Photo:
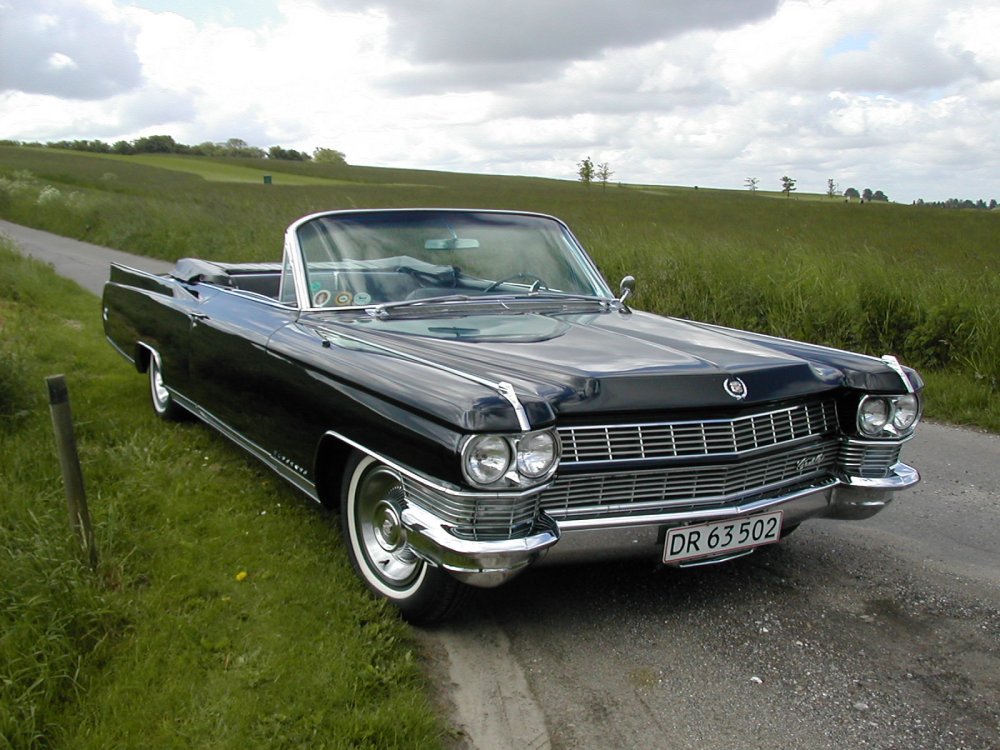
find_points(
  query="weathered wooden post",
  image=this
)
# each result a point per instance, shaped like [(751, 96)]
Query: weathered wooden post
[(69, 460)]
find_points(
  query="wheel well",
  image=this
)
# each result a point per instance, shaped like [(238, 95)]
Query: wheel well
[(331, 457), (142, 356)]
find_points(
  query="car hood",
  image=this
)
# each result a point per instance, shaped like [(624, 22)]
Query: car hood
[(594, 363)]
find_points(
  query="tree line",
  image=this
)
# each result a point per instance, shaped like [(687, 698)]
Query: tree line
[(165, 144), (980, 204)]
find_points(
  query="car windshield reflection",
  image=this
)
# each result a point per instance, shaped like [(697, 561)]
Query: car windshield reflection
[(392, 258)]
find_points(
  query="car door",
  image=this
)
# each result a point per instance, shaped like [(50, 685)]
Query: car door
[(227, 345)]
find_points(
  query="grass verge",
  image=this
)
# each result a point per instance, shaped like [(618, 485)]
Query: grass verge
[(224, 612)]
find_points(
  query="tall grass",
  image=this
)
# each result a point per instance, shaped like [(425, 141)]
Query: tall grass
[(921, 283), (168, 645), (52, 616)]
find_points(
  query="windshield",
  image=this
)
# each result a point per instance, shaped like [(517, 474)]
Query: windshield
[(380, 257)]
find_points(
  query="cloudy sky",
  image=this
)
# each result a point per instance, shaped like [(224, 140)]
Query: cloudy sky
[(898, 96)]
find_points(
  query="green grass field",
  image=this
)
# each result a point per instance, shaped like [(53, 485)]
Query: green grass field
[(224, 612), (165, 647)]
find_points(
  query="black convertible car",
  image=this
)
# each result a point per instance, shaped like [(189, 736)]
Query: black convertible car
[(467, 390)]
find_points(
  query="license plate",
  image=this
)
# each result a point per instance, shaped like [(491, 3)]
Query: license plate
[(720, 537)]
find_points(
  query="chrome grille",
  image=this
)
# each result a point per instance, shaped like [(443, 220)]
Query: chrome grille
[(647, 491), (868, 460), (719, 437), (477, 515)]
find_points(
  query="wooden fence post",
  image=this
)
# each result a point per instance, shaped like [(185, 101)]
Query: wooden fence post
[(69, 460)]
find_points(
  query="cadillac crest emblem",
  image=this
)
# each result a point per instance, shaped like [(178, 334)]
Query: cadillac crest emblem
[(735, 388)]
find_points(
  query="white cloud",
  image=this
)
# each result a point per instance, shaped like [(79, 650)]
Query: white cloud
[(702, 93), (77, 49)]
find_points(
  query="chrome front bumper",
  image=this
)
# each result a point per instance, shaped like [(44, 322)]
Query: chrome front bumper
[(491, 563)]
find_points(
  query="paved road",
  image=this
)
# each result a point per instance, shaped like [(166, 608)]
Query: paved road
[(84, 263), (876, 634)]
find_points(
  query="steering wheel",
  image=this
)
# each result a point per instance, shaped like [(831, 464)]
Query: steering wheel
[(539, 281)]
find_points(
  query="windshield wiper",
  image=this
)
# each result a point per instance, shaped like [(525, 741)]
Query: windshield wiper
[(444, 302)]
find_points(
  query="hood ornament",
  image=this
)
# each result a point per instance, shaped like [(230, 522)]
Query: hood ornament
[(735, 388)]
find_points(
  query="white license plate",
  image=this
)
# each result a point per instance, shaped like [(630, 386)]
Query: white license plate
[(720, 537)]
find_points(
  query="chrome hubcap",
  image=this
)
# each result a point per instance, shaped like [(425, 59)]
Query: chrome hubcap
[(380, 530)]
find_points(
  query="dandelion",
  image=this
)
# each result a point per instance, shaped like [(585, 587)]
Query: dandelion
[(241, 576)]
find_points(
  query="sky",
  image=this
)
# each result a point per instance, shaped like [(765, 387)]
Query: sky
[(902, 97)]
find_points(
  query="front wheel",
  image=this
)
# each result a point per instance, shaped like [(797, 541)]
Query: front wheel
[(372, 498)]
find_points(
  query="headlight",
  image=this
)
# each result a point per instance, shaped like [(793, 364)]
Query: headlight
[(885, 416), (873, 415), (537, 454), (907, 411), (518, 460), (487, 459)]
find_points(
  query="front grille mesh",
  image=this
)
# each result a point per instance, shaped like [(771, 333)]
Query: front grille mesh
[(481, 515), (686, 439), (868, 460), (618, 494)]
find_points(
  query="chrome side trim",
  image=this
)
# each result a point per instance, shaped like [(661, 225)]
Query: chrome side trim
[(118, 349), (296, 480), (507, 391), (898, 369)]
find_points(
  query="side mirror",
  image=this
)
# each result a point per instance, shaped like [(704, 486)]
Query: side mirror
[(626, 289)]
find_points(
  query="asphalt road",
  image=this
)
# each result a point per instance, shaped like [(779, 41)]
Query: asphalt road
[(876, 634)]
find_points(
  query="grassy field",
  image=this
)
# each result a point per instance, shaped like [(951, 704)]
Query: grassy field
[(165, 647), (922, 283), (224, 612)]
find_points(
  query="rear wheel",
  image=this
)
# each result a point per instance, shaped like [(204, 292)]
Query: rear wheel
[(163, 402), (371, 505)]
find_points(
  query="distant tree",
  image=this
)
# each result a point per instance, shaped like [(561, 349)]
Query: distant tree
[(993, 203), (122, 147), (852, 193), (751, 183), (787, 185), (831, 187), (287, 154), (878, 195), (866, 195), (155, 144), (603, 173), (329, 156), (237, 147), (585, 169)]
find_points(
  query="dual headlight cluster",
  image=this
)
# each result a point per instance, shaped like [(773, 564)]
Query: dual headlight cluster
[(519, 459), (883, 416)]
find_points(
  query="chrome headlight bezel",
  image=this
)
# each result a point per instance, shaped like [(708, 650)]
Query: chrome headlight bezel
[(885, 416), (531, 458), (536, 454), (485, 459)]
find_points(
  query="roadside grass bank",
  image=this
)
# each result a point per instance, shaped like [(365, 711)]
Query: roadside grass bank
[(922, 283), (223, 613)]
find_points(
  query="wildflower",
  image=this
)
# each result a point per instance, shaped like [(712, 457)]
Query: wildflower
[(241, 576)]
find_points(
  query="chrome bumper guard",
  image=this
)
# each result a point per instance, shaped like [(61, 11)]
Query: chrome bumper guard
[(493, 562)]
